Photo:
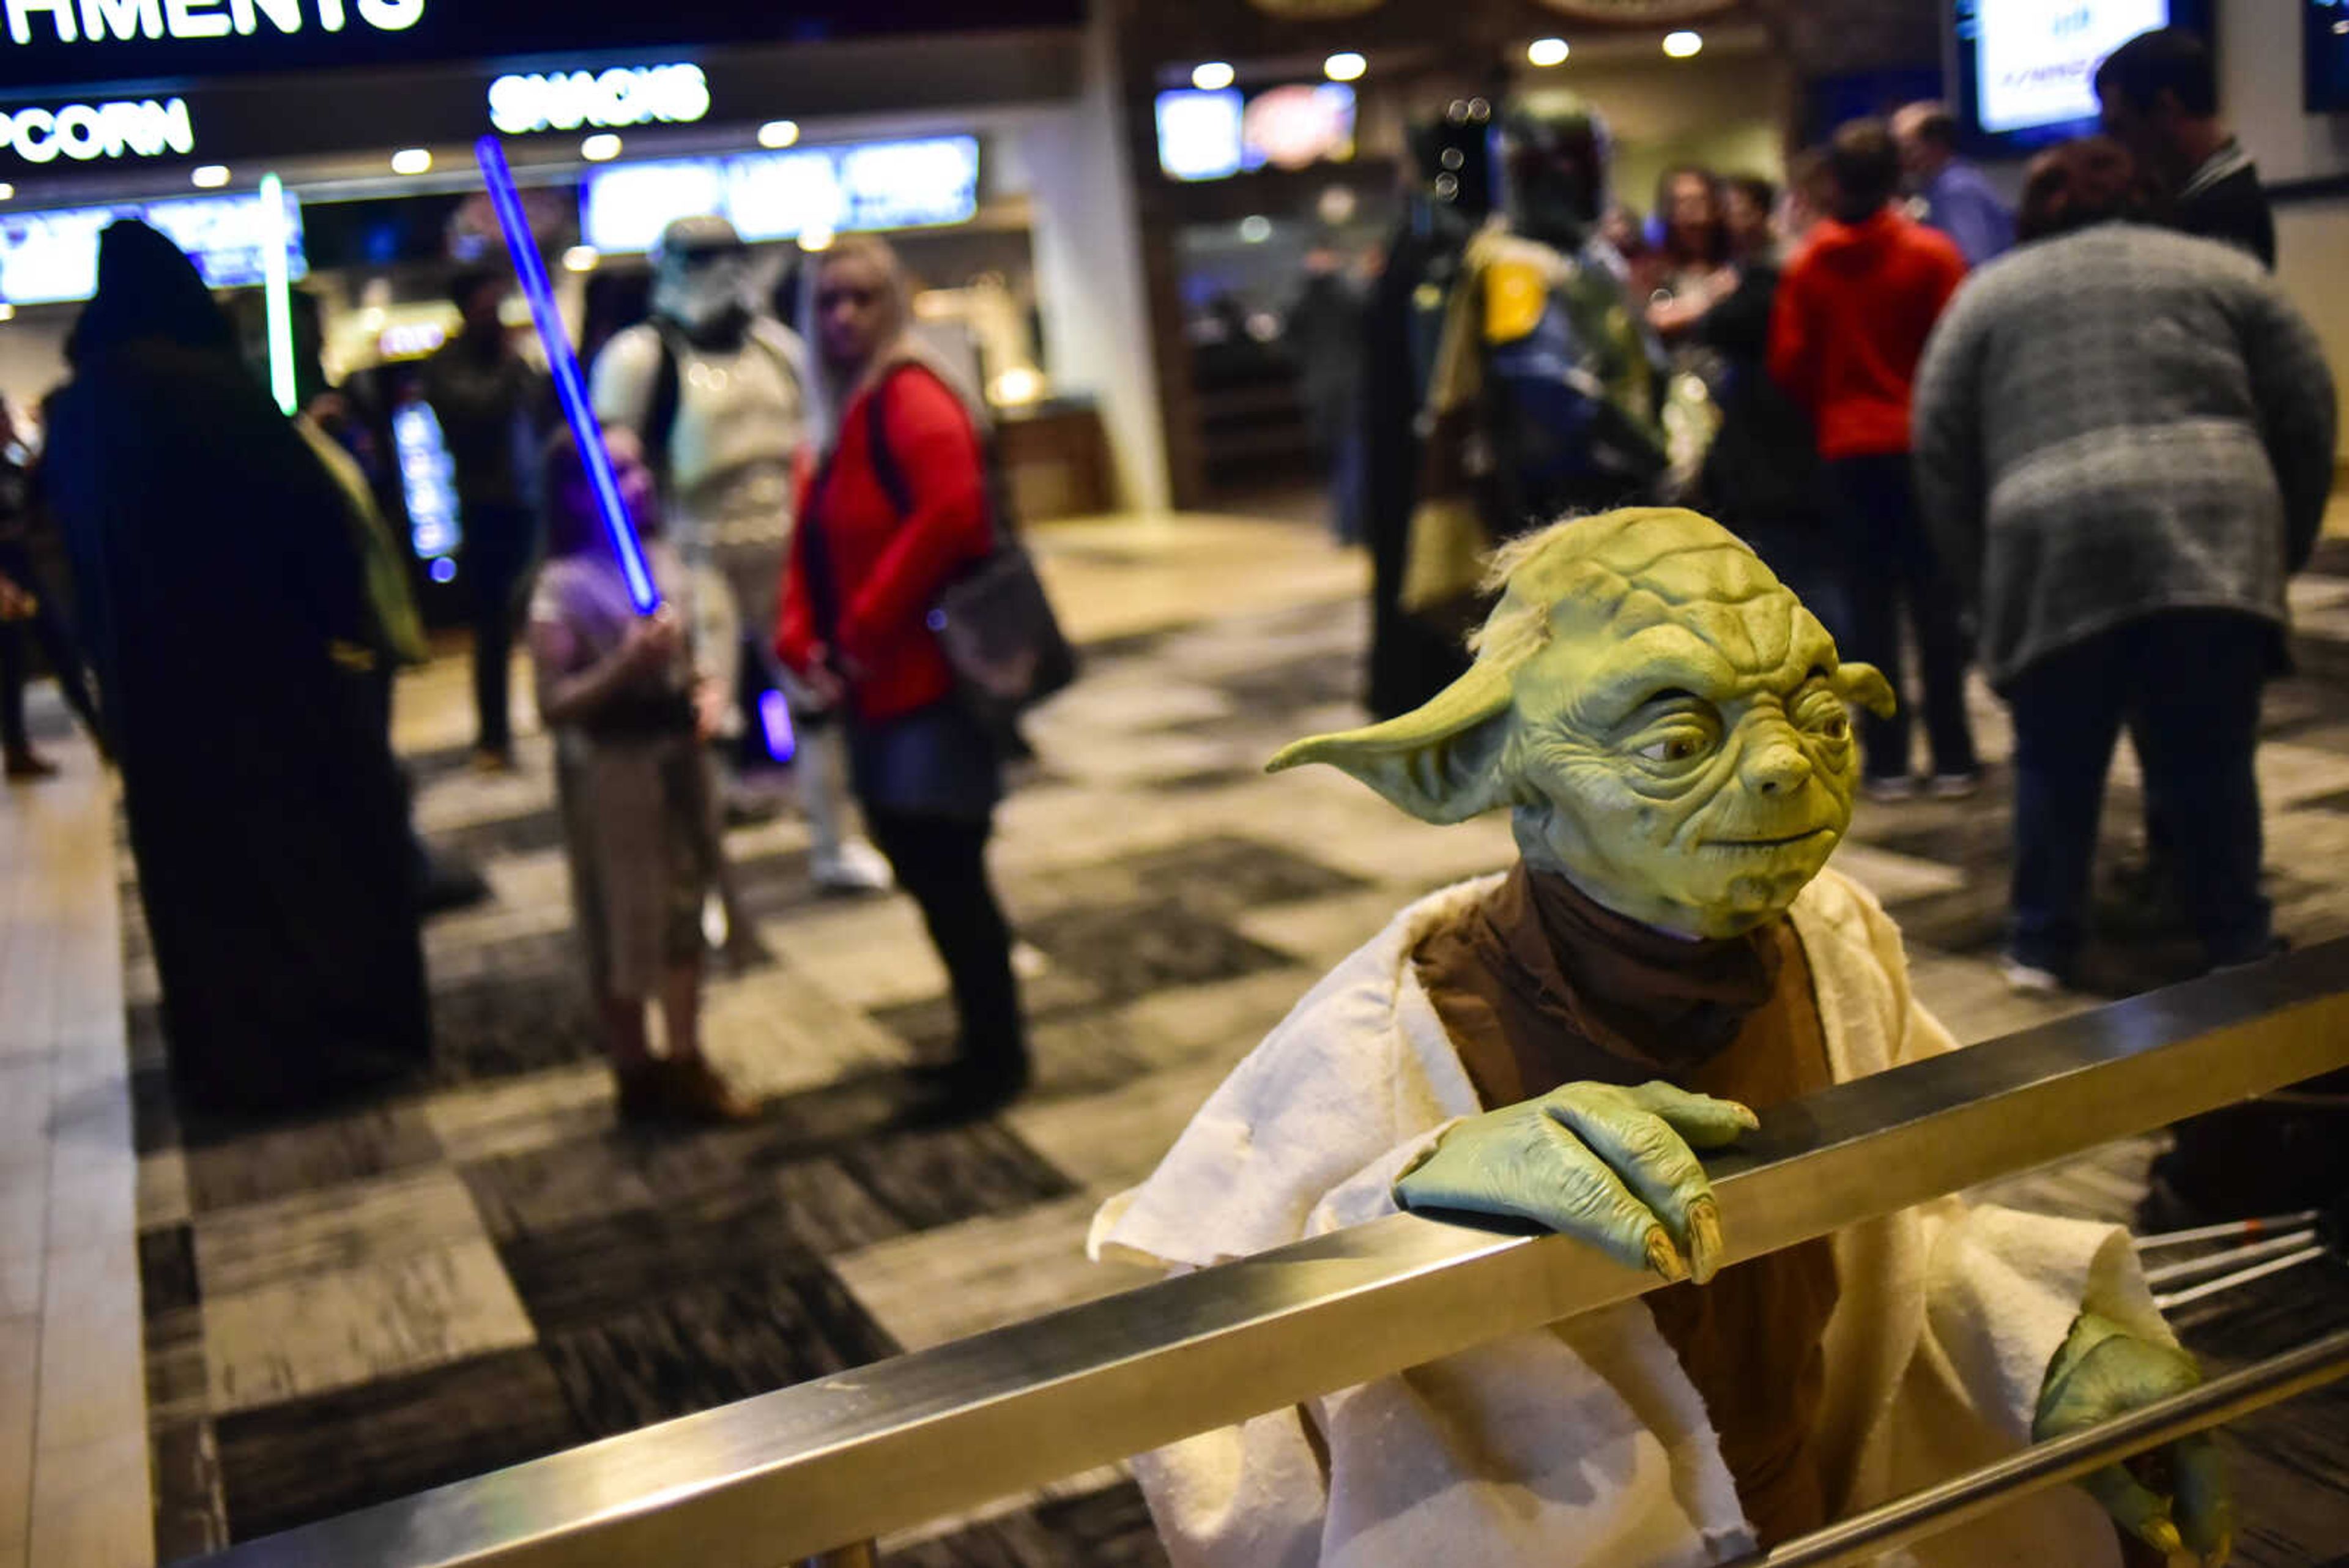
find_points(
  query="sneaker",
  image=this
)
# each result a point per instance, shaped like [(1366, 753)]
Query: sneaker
[(1890, 789), (2029, 979), (854, 867), (1955, 786)]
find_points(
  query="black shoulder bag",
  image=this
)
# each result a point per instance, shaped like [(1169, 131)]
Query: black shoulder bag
[(993, 620)]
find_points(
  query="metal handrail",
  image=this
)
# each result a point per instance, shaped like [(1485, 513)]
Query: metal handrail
[(843, 1459)]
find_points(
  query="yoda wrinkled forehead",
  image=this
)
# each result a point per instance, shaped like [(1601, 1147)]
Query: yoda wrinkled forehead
[(1666, 722), (1648, 596)]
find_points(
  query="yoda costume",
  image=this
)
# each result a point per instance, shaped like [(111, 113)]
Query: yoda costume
[(1668, 726)]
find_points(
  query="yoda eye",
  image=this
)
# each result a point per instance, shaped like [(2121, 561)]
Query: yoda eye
[(1674, 749), (1837, 727), (1824, 717)]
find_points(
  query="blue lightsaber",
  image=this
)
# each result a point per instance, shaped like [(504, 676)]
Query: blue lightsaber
[(570, 386)]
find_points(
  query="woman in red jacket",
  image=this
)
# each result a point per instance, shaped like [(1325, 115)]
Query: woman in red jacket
[(897, 508)]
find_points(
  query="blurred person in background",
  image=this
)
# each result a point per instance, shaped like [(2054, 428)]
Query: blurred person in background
[(30, 612), (225, 602), (1688, 268), (1325, 327), (2159, 97), (2125, 444), (1848, 325), (1959, 200), (715, 389), (489, 401), (631, 705), (898, 507), (1761, 476)]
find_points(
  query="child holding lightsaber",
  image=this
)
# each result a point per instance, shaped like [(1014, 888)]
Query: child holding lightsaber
[(630, 709)]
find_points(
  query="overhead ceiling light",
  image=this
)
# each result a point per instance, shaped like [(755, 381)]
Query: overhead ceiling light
[(7, 191), (779, 133), (1213, 76), (210, 176), (601, 147), (7, 311), (1256, 228), (1345, 67), (581, 258), (411, 160), (1546, 52), (1682, 44), (816, 238)]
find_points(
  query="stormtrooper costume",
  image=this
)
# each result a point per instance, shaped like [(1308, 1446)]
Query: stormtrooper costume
[(713, 387)]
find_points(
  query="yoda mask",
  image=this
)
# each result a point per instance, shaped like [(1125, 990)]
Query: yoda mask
[(1668, 724)]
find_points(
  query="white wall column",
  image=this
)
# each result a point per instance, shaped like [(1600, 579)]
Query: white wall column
[(1088, 281)]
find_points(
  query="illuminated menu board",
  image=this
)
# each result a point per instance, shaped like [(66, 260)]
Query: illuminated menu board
[(919, 183), (49, 257)]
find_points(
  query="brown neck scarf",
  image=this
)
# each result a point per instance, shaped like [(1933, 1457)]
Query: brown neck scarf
[(1541, 985)]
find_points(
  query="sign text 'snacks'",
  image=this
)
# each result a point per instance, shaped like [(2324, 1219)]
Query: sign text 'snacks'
[(565, 100), (101, 21)]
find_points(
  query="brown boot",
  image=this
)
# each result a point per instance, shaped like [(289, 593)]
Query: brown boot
[(696, 1093)]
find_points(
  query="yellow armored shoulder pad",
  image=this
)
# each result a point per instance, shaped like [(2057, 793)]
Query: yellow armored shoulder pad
[(1515, 298)]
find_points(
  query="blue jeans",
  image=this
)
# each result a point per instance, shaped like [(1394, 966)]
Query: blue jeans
[(2187, 684), (1889, 563)]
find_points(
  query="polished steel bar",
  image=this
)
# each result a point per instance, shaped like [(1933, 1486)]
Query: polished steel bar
[(2233, 1257), (852, 1456), (1862, 1537), (2237, 1281)]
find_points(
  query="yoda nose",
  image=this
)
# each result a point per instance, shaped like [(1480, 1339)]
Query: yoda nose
[(1775, 766)]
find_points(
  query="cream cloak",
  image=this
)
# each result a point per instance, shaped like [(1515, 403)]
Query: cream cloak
[(1585, 1443)]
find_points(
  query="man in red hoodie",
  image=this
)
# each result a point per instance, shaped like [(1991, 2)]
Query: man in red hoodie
[(1850, 322)]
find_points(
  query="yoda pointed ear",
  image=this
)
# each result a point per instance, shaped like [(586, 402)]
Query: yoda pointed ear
[(1864, 684), (1440, 762)]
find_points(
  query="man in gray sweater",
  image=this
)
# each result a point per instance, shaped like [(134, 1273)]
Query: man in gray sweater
[(2123, 444)]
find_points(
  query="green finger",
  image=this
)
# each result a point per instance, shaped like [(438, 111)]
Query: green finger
[(1586, 1201), (1705, 1122), (2142, 1512), (2206, 1501), (1656, 1164)]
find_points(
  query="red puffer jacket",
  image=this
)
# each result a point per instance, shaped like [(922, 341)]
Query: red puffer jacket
[(887, 567)]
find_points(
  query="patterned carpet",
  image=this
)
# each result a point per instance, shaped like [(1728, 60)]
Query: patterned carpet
[(484, 1269)]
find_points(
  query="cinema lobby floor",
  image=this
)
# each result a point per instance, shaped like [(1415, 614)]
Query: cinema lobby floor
[(258, 1325)]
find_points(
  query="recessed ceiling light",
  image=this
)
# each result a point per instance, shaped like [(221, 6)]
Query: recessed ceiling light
[(601, 147), (581, 258), (816, 238), (1256, 228), (1346, 66), (411, 160), (779, 133), (1681, 46), (1213, 76), (1546, 52), (7, 311), (210, 176), (7, 191)]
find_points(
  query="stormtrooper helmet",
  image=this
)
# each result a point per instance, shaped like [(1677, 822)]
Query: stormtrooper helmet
[(702, 277)]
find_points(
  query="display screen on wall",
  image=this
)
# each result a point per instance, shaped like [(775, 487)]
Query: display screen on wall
[(1214, 135), (919, 183), (2325, 28), (46, 258), (2026, 69), (1199, 133)]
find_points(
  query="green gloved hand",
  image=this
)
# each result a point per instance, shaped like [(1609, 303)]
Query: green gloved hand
[(2104, 1371), (1608, 1166)]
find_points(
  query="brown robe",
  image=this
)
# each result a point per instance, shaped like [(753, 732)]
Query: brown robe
[(1539, 987)]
